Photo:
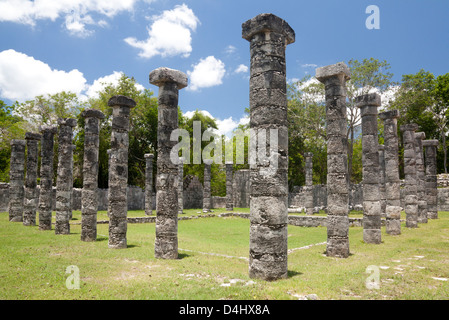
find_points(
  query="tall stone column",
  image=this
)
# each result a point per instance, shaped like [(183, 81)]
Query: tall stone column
[(16, 176), (89, 193), (269, 36), (64, 185), (368, 105), (392, 181), (31, 199), (383, 196), (181, 185), (229, 196), (421, 177), (46, 183), (411, 183), (169, 82), (431, 178), (118, 171), (207, 198), (309, 183), (149, 184), (334, 78)]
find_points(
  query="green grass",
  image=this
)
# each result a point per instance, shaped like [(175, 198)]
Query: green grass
[(212, 252)]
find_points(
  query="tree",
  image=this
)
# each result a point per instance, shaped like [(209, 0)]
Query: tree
[(440, 110)]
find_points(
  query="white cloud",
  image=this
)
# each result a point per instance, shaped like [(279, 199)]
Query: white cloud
[(169, 35), (241, 69), (208, 72), (225, 126), (22, 77), (76, 13), (230, 49), (100, 83), (309, 65)]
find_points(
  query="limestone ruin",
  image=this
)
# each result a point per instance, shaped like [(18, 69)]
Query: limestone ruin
[(431, 178), (149, 184), (16, 176), (30, 196)]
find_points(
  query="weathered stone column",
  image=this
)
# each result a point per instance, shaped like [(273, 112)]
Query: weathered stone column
[(392, 181), (334, 78), (229, 197), (46, 183), (16, 176), (169, 82), (64, 187), (207, 198), (181, 185), (421, 177), (308, 203), (431, 178), (383, 197), (31, 200), (368, 105), (269, 36), (149, 184), (118, 171), (411, 183), (89, 193)]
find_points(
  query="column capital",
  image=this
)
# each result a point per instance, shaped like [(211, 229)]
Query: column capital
[(409, 127), (48, 128), (67, 122), (163, 75), (93, 113), (121, 101), (370, 99), (340, 68), (420, 135), (267, 22), (430, 143), (18, 142), (32, 136), (391, 114)]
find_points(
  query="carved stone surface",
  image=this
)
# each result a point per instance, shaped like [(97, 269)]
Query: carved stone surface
[(46, 184), (383, 199), (89, 197), (16, 177), (64, 186), (31, 199), (149, 184), (268, 36), (181, 185), (421, 177), (118, 171), (169, 82), (229, 191), (392, 181), (431, 178), (411, 183), (334, 78), (308, 204), (368, 105)]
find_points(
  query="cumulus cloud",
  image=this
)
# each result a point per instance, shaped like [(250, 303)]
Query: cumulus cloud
[(241, 69), (208, 72), (22, 77), (309, 65), (100, 83), (77, 14), (169, 34)]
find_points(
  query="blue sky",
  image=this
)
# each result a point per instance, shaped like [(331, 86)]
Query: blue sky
[(47, 46)]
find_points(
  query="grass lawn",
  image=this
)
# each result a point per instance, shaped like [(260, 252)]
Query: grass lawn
[(213, 263)]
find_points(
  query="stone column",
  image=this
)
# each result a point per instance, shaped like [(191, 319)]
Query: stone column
[(411, 183), (149, 184), (169, 82), (64, 187), (207, 199), (118, 171), (46, 183), (269, 36), (181, 185), (421, 177), (368, 105), (31, 199), (431, 178), (16, 176), (89, 193), (229, 198), (383, 199), (308, 203), (334, 78), (392, 181)]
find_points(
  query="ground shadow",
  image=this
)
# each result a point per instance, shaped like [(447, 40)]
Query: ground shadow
[(291, 273), (183, 255)]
